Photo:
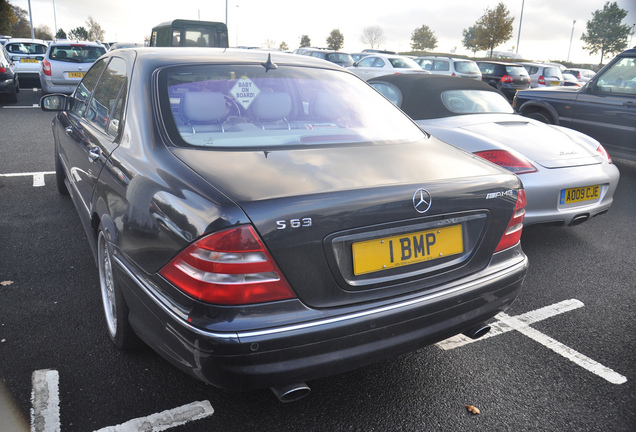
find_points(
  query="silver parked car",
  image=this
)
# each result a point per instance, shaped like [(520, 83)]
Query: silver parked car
[(381, 64), (27, 54), (65, 64), (568, 176), (544, 75), (458, 67)]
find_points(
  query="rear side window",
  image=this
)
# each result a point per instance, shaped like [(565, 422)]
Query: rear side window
[(85, 88), (107, 103), (486, 68), (230, 106)]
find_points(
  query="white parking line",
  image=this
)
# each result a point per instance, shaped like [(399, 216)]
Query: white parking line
[(45, 411), (38, 177), (166, 419), (521, 323), (45, 401)]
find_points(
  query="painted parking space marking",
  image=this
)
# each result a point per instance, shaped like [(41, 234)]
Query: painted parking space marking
[(45, 401), (45, 410), (521, 323), (38, 177)]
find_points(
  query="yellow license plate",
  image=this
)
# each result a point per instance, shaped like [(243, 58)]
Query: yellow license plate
[(588, 193), (406, 249), (26, 60), (555, 83), (76, 74)]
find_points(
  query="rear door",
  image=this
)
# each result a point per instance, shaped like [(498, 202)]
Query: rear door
[(90, 127)]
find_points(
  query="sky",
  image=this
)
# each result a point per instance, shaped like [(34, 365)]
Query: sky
[(546, 25)]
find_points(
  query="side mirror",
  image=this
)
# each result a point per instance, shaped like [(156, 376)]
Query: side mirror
[(53, 102)]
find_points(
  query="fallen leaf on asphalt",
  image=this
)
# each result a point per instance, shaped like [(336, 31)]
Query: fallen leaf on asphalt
[(473, 410), (6, 283)]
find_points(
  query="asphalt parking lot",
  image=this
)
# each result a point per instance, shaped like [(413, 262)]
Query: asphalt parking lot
[(563, 357)]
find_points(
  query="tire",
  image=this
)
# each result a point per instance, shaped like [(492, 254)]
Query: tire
[(541, 116), (13, 96), (115, 308)]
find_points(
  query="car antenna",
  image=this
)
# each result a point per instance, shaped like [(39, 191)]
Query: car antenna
[(269, 64)]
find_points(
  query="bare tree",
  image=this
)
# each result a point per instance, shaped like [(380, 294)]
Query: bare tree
[(95, 32), (373, 36)]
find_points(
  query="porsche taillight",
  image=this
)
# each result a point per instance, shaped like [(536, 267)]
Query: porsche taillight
[(513, 162), (601, 150), (46, 67), (229, 267), (512, 236)]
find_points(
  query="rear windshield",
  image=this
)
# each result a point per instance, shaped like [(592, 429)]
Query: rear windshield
[(339, 58), (250, 106), (76, 53), (466, 67), (475, 101), (552, 72), (516, 71), (25, 48), (403, 63)]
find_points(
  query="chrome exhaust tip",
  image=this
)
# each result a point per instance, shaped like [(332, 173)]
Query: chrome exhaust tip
[(477, 331), (291, 392)]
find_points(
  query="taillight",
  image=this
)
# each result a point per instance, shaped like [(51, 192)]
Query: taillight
[(513, 162), (3, 70), (541, 80), (512, 236), (601, 150), (507, 79), (46, 67), (230, 267)]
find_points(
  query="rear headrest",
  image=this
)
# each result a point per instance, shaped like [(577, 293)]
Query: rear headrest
[(203, 107), (272, 106), (326, 106)]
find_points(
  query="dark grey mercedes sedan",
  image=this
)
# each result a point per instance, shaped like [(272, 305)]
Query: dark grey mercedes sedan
[(264, 219)]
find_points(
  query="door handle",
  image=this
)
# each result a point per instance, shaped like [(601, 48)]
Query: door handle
[(94, 154)]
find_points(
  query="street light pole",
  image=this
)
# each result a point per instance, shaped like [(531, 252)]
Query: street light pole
[(520, 20), (571, 35), (54, 20), (31, 21)]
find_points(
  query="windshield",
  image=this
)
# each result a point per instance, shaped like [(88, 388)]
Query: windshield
[(76, 53), (475, 101), (250, 106)]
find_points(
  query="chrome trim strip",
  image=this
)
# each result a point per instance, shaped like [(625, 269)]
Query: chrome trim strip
[(236, 337)]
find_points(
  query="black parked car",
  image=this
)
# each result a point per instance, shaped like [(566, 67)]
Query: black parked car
[(505, 77), (265, 219), (604, 108), (9, 84)]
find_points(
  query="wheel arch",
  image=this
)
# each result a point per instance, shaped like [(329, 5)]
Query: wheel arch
[(537, 106)]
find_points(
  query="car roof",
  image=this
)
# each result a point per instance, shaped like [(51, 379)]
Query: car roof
[(74, 42), (500, 63), (421, 92), (156, 57), (40, 41)]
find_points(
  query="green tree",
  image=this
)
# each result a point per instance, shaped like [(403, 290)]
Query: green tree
[(43, 32), (79, 33), (372, 36), (61, 34), (469, 40), (494, 27), (95, 32), (335, 41), (605, 33), (423, 38), (21, 28), (7, 18), (283, 46), (305, 41)]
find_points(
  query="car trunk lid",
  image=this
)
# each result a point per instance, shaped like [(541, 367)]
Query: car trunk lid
[(316, 208)]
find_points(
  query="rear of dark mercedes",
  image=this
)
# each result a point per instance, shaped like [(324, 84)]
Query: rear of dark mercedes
[(332, 232)]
